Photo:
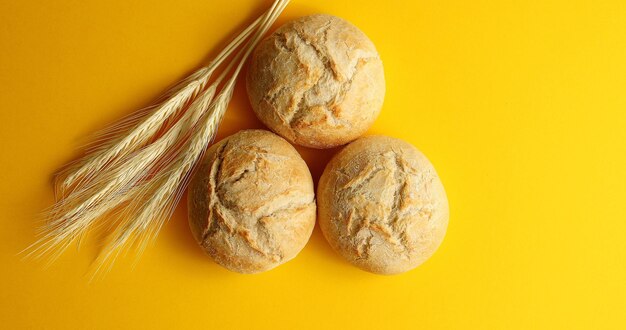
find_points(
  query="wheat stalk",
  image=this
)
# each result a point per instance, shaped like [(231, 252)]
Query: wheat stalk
[(166, 190), (139, 167)]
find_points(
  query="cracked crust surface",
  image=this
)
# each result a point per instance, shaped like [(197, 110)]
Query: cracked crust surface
[(317, 81), (251, 202), (382, 206)]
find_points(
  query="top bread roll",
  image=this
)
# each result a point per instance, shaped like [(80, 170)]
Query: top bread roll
[(382, 206), (317, 81)]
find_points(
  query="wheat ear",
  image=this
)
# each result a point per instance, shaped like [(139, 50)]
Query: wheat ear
[(139, 168), (75, 214), (165, 190)]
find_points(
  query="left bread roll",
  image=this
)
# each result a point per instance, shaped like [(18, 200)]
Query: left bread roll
[(252, 202)]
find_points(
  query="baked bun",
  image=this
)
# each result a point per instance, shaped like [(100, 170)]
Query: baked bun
[(317, 81), (251, 202), (382, 206)]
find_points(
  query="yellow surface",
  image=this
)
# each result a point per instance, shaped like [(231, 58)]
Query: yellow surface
[(520, 105)]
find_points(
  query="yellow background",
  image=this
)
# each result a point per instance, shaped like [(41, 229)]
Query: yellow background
[(520, 105)]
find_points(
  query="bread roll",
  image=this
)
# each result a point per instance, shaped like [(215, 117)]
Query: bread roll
[(251, 202), (382, 205), (317, 81)]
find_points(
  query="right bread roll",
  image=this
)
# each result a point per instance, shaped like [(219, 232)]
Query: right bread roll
[(382, 206)]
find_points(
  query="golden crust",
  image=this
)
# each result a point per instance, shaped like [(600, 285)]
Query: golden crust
[(317, 81), (251, 202), (382, 206)]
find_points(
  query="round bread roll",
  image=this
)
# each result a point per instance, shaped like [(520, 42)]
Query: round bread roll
[(382, 205), (317, 81), (252, 202)]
